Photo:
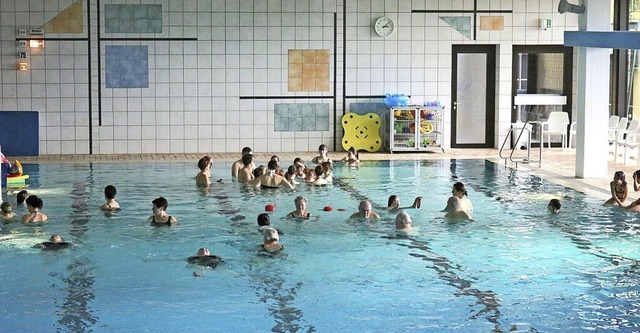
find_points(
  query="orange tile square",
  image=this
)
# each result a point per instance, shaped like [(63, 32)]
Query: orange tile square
[(322, 84), (295, 56), (295, 70), (322, 56), (322, 70), (498, 23), (309, 56), (308, 70), (295, 84), (308, 84), (486, 23)]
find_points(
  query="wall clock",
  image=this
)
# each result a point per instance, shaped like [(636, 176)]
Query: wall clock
[(384, 26)]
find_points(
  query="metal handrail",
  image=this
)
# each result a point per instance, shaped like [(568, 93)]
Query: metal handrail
[(528, 158)]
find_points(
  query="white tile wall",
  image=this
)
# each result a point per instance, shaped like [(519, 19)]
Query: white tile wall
[(192, 103)]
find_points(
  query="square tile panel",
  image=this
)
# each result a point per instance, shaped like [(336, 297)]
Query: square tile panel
[(127, 66), (133, 18), (300, 117)]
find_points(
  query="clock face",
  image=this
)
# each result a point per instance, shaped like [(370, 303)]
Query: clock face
[(384, 26)]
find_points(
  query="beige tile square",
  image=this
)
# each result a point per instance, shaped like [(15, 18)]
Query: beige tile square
[(295, 70), (486, 23), (309, 56), (308, 84), (322, 70), (308, 70), (295, 84), (322, 56), (322, 84), (295, 56), (498, 23)]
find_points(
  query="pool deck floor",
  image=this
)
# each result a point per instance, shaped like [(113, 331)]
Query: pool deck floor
[(558, 165)]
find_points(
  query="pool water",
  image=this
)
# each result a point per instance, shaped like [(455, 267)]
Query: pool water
[(517, 268)]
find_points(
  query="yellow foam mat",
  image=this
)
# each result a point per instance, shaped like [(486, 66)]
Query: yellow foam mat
[(361, 132)]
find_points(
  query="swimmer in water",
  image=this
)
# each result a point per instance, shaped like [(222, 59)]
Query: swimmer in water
[(554, 206), (271, 241), (55, 243), (323, 157), (203, 178), (619, 190), (301, 208), (34, 204), (160, 216), (110, 194), (237, 165), (364, 211), (7, 211), (457, 209), (204, 258), (463, 204), (393, 203), (352, 158), (271, 179), (403, 222)]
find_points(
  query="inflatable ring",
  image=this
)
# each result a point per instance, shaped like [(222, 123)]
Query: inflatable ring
[(17, 179), (426, 127)]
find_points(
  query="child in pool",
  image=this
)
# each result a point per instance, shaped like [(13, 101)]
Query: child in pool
[(619, 191)]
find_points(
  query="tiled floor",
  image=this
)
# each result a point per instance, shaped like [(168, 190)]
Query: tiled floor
[(558, 166)]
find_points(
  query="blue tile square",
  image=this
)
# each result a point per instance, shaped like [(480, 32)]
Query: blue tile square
[(126, 25), (126, 11), (113, 80), (307, 111), (140, 11), (154, 25), (322, 109), (154, 12), (140, 25), (464, 23), (295, 124), (111, 25), (281, 111), (281, 125), (111, 11), (127, 66), (322, 124), (309, 124)]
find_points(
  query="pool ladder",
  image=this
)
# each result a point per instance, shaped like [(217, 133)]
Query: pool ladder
[(526, 159)]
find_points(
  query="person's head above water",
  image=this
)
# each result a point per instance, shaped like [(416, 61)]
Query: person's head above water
[(204, 162), (110, 192), (554, 206), (247, 150), (247, 159), (364, 208), (22, 196), (393, 201), (6, 208), (270, 235), (264, 219), (160, 203), (56, 239), (403, 221), (34, 202), (203, 251)]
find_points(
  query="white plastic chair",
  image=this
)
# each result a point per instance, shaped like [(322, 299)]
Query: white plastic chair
[(632, 141), (573, 131), (624, 135), (613, 132), (613, 122), (556, 124)]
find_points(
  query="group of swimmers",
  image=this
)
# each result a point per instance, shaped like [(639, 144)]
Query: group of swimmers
[(620, 191), (272, 176)]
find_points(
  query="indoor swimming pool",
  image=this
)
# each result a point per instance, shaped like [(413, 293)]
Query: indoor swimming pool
[(516, 268)]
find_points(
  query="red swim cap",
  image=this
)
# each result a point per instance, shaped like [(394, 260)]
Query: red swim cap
[(270, 208), (328, 208)]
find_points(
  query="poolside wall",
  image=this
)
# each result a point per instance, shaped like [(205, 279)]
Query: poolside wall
[(206, 75)]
